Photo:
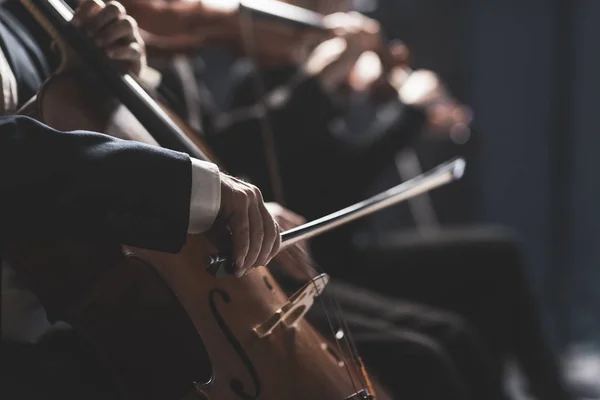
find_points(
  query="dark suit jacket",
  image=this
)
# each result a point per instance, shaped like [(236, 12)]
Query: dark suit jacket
[(90, 186)]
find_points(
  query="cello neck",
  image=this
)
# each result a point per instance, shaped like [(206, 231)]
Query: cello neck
[(55, 16)]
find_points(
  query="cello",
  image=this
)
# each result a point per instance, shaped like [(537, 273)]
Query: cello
[(175, 326)]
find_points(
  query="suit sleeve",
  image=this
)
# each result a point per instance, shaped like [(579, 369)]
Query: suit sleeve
[(90, 186)]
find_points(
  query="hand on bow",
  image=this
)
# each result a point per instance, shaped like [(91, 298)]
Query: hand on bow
[(295, 260), (109, 26), (254, 232)]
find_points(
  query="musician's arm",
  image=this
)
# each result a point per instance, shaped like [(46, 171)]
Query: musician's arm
[(174, 27), (88, 185)]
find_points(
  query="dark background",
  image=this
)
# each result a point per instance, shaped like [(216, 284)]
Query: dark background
[(529, 69)]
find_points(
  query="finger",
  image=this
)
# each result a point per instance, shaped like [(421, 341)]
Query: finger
[(240, 235), (120, 30), (356, 18), (271, 230), (132, 52), (366, 70), (335, 20), (337, 23), (111, 12), (276, 244), (364, 23), (128, 59), (257, 233), (85, 12), (354, 22)]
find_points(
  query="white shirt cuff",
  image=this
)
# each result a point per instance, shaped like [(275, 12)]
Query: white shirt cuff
[(205, 200)]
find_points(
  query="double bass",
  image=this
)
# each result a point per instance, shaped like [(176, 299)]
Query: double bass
[(179, 326)]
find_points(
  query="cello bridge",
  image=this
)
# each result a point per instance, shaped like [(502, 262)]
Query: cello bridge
[(295, 308)]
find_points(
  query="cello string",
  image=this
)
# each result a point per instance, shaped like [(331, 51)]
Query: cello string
[(302, 257), (351, 348)]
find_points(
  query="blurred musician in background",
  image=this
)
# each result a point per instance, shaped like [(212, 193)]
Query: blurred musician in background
[(298, 101)]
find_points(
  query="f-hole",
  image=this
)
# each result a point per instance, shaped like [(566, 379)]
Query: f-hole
[(267, 283)]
